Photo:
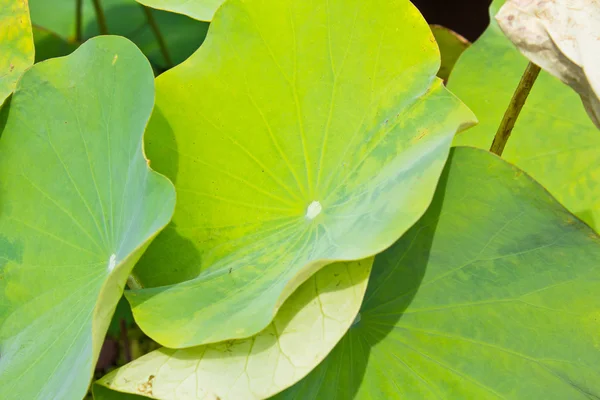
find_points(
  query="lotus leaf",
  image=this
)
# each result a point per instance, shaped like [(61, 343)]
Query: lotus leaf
[(289, 150), (16, 44), (553, 139), (78, 206), (306, 328), (493, 294)]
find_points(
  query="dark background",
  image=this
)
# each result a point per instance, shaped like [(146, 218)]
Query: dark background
[(467, 17)]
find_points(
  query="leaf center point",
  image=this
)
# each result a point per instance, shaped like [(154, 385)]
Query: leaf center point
[(313, 210)]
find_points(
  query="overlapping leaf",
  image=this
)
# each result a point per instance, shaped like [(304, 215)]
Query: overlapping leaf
[(126, 18), (491, 295), (563, 37), (306, 328), (203, 10), (553, 140), (78, 206), (16, 44), (451, 46), (50, 45), (289, 149)]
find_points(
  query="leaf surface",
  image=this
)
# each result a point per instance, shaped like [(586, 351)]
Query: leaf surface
[(306, 328), (202, 10), (290, 150), (16, 44), (491, 295), (553, 140), (79, 205)]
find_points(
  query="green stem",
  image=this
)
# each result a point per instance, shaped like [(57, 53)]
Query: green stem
[(102, 27), (514, 108), (159, 37), (78, 17)]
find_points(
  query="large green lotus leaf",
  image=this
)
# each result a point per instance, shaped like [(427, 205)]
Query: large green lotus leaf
[(493, 294), (16, 44), (290, 149), (203, 10), (308, 325), (50, 45), (553, 140), (182, 35), (78, 206)]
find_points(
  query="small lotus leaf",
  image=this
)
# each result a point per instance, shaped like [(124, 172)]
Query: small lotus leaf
[(451, 46)]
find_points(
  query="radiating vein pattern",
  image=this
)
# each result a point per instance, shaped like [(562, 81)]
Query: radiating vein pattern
[(496, 280), (78, 204), (289, 149)]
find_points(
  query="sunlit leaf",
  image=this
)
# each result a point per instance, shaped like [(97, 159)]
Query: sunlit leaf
[(79, 205), (306, 328), (563, 37), (493, 294), (553, 140), (203, 10), (289, 149), (16, 44)]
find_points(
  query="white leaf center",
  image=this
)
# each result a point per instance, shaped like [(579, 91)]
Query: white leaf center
[(112, 262), (313, 210)]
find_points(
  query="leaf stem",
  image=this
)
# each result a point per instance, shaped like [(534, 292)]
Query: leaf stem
[(100, 18), (514, 108), (159, 36), (78, 18)]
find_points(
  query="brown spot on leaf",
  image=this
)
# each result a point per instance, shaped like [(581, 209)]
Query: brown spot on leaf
[(146, 387)]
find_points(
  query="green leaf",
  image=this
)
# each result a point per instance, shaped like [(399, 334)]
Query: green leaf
[(553, 139), (306, 328), (290, 150), (79, 206), (451, 46), (182, 35), (493, 294), (50, 45), (202, 10), (16, 44)]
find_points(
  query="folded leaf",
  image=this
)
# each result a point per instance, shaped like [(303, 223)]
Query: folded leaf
[(562, 37), (306, 328), (290, 149), (493, 294), (79, 205), (16, 44), (553, 140)]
